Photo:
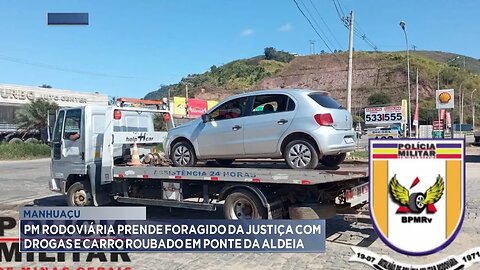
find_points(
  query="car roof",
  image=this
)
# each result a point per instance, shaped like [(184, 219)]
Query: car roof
[(276, 91)]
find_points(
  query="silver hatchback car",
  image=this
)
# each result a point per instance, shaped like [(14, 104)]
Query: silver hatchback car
[(302, 126)]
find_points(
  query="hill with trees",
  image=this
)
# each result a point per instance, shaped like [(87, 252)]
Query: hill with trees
[(379, 78)]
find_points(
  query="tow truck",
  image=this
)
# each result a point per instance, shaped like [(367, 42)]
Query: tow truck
[(105, 154)]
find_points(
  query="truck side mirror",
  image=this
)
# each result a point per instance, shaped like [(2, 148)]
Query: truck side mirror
[(206, 118)]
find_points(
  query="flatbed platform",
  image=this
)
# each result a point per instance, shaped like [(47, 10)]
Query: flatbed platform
[(245, 172)]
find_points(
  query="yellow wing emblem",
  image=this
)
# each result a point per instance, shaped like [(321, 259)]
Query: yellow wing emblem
[(399, 192), (435, 192)]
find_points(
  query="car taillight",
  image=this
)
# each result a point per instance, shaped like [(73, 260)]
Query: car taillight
[(324, 119), (117, 114)]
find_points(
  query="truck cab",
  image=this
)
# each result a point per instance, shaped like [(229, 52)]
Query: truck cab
[(77, 146)]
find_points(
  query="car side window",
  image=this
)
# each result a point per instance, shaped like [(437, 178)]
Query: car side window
[(266, 104), (229, 110), (72, 125)]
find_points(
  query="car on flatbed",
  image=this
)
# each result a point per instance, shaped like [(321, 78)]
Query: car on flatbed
[(305, 127), (106, 162)]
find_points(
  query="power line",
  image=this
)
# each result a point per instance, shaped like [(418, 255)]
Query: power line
[(313, 27), (316, 23), (47, 66), (357, 29), (325, 23), (316, 31)]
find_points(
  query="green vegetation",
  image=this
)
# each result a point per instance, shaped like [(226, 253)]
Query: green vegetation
[(23, 151), (360, 154), (34, 115), (379, 99), (237, 75), (280, 56)]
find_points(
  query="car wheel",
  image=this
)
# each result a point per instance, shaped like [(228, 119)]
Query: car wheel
[(415, 202), (225, 162), (333, 161), (79, 194), (300, 154), (243, 204), (183, 155)]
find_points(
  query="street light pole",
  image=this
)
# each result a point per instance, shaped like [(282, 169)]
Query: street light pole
[(473, 109), (402, 25)]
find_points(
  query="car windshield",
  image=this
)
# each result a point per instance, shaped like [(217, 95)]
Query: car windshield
[(325, 100)]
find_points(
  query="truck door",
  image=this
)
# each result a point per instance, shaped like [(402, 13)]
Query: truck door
[(68, 151)]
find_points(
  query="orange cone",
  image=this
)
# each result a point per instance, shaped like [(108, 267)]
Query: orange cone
[(135, 156)]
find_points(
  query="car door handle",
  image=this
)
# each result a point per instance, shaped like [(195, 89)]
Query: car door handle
[(236, 127), (282, 121)]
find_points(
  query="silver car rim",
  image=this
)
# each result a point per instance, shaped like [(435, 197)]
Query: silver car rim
[(80, 198), (242, 209), (182, 155), (299, 155)]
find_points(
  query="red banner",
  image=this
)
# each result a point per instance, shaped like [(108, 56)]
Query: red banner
[(415, 116), (449, 120), (442, 114), (196, 107)]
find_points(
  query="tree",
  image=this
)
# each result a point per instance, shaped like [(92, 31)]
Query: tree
[(379, 98), (34, 115), (270, 53), (45, 86)]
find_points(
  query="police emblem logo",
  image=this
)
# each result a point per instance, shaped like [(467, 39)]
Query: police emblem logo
[(417, 193)]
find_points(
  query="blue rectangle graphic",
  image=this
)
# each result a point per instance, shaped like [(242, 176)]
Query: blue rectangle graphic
[(173, 236), (67, 18)]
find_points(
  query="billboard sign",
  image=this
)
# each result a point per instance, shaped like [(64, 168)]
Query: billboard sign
[(196, 107), (383, 115)]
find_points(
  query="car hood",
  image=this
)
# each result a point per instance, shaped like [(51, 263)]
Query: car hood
[(187, 124)]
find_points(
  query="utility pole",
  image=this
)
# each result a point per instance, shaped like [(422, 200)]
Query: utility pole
[(416, 111), (186, 99), (350, 65), (473, 109), (312, 46)]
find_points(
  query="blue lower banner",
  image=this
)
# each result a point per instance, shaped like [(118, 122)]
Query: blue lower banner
[(172, 236)]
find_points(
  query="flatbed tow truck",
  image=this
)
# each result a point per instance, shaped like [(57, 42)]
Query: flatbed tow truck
[(96, 169)]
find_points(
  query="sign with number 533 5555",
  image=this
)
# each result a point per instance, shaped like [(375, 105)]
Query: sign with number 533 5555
[(383, 115)]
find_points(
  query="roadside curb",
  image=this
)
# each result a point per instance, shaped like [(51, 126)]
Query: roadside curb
[(24, 160)]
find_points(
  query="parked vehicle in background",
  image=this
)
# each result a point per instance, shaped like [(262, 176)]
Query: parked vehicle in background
[(476, 135), (303, 126)]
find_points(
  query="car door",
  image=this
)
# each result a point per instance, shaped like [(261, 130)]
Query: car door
[(67, 144), (270, 118), (222, 136)]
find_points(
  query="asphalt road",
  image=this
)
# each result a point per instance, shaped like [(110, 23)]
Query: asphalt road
[(20, 180)]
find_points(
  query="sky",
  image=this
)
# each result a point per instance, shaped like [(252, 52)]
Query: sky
[(132, 47)]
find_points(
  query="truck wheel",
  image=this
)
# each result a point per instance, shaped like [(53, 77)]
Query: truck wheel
[(312, 211), (243, 204), (79, 194), (300, 154), (183, 155), (333, 161), (415, 202), (15, 141), (225, 162), (31, 140)]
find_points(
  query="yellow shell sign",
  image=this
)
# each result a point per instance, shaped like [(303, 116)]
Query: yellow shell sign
[(444, 97)]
